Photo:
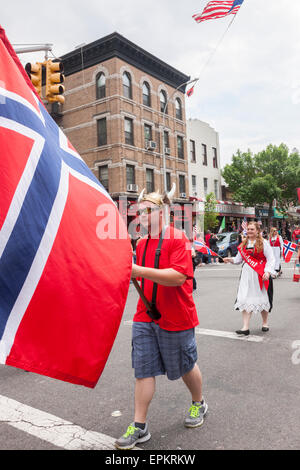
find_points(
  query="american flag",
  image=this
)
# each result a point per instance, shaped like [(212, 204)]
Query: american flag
[(288, 249), (62, 288), (244, 226), (218, 9)]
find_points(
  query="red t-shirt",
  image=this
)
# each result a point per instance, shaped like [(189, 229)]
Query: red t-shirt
[(176, 304), (206, 238), (296, 235)]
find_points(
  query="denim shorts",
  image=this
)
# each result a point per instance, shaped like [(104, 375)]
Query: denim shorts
[(158, 352)]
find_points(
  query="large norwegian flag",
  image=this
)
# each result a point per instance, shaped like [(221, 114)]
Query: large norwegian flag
[(62, 288)]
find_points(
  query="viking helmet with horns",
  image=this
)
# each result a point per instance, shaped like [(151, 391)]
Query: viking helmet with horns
[(157, 198)]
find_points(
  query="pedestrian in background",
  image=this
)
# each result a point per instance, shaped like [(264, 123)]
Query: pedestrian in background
[(255, 291), (276, 243), (206, 239), (213, 246)]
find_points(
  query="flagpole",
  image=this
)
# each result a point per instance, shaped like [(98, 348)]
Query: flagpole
[(216, 48)]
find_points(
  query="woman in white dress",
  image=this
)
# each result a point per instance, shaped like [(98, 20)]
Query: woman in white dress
[(255, 290), (276, 243)]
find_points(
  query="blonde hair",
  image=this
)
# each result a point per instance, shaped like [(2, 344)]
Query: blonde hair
[(259, 239), (273, 229)]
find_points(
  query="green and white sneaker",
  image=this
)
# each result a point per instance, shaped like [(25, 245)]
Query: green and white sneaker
[(132, 437), (196, 415)]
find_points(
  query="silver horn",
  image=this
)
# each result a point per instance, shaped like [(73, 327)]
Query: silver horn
[(141, 195), (172, 192), (167, 199)]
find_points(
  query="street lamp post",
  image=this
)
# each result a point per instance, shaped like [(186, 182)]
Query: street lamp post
[(163, 128)]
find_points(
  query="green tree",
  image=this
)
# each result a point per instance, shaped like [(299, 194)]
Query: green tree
[(210, 215), (272, 174)]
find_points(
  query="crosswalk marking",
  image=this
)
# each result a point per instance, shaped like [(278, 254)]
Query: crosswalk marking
[(50, 428)]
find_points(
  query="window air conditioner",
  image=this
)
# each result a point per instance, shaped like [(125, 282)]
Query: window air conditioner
[(132, 188), (182, 194), (151, 145), (167, 151)]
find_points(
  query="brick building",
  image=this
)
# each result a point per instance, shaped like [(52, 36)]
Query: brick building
[(113, 115)]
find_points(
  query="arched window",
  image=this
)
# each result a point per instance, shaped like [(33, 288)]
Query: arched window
[(127, 87), (146, 94), (163, 101), (178, 109), (100, 85)]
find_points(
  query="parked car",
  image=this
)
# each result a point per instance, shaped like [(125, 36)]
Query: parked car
[(228, 243)]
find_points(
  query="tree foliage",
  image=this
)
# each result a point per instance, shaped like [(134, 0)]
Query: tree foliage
[(210, 215), (273, 173)]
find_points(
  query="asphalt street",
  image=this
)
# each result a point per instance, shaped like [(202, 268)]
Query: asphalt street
[(252, 387)]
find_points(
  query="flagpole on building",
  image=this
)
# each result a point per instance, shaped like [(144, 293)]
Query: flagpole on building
[(166, 210), (163, 127)]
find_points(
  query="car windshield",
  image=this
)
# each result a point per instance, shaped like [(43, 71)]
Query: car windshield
[(221, 238)]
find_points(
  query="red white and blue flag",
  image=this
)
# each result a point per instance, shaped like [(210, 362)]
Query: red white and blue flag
[(62, 288), (288, 249), (199, 245), (218, 9), (244, 226)]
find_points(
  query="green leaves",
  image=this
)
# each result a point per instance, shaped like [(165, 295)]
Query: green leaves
[(271, 174)]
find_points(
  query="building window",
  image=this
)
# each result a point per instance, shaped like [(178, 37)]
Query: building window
[(127, 86), (178, 108), (166, 140), (102, 132), (163, 102), (215, 158), (168, 181), (216, 189), (149, 180), (147, 134), (146, 94), (100, 86), (130, 174), (193, 151), (103, 176), (194, 184), (180, 152), (205, 186), (128, 131), (204, 154), (182, 184)]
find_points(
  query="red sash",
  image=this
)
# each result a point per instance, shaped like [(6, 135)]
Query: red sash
[(257, 264)]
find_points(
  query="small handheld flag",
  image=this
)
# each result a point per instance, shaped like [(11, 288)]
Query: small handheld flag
[(218, 9), (190, 92), (200, 246), (244, 226), (288, 249), (222, 226)]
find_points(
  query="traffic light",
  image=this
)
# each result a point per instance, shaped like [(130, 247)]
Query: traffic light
[(34, 72), (54, 78)]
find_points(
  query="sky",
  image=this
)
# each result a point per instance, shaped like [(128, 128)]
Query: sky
[(248, 88)]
